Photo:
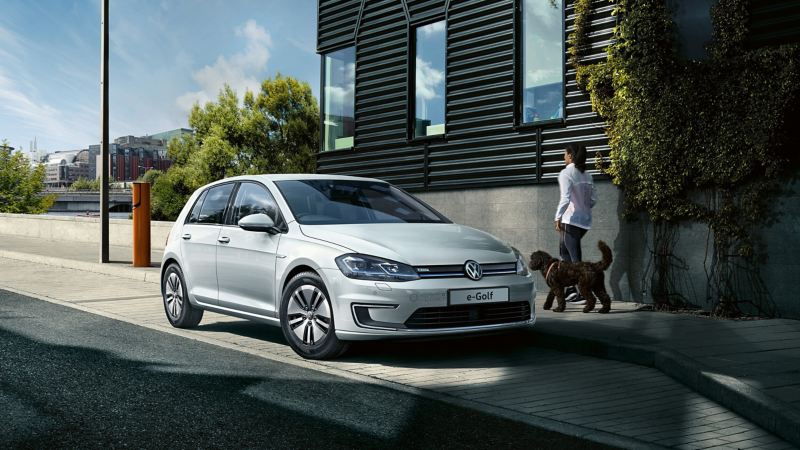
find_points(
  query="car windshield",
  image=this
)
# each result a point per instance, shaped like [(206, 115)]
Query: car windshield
[(327, 202)]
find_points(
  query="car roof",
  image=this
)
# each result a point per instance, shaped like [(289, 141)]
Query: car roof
[(294, 176)]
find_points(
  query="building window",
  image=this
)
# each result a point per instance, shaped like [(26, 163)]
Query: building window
[(693, 21), (338, 98), (429, 79), (542, 60)]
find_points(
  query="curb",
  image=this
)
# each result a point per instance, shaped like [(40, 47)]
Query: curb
[(117, 270), (597, 436), (764, 410)]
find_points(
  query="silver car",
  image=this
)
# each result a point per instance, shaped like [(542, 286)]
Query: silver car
[(333, 259)]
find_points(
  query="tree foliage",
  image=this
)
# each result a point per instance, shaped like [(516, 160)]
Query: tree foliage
[(273, 131), (21, 184), (698, 141), (85, 184)]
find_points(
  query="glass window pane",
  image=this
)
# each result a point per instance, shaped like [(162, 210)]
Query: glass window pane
[(543, 63), (213, 210), (254, 199), (326, 202), (339, 98), (430, 79), (195, 214)]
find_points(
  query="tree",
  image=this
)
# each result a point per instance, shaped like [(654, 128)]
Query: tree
[(21, 185), (273, 131), (85, 184)]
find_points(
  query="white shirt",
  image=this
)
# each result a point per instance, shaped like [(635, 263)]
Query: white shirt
[(578, 197)]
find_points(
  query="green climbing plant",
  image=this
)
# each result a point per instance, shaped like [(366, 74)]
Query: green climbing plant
[(698, 141)]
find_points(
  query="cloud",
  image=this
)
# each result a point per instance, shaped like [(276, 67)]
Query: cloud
[(239, 71), (428, 80), (43, 119), (433, 29), (10, 43)]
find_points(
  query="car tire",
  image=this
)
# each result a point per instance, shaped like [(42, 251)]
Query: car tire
[(307, 321), (180, 312)]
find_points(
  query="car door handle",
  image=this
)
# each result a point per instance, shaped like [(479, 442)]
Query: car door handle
[(224, 240), (187, 236)]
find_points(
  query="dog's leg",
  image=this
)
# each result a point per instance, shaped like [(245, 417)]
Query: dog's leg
[(600, 289), (562, 303), (586, 292), (548, 303)]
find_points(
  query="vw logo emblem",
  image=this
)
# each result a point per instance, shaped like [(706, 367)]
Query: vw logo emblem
[(473, 270)]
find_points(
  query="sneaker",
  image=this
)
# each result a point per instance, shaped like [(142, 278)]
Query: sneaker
[(572, 297), (578, 300)]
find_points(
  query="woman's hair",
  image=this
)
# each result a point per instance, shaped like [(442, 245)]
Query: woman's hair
[(578, 153)]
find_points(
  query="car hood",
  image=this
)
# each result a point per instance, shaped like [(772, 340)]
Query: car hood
[(416, 243)]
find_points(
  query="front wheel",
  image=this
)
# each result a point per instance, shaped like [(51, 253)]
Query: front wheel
[(307, 318)]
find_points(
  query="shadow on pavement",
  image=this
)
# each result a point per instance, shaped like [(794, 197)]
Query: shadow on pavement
[(72, 396)]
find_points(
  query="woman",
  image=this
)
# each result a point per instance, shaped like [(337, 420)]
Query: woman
[(574, 212)]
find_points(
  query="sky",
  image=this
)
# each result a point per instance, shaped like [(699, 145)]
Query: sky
[(164, 56)]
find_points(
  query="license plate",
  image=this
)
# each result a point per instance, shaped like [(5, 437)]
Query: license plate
[(478, 296)]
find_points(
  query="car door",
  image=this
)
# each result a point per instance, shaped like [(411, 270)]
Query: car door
[(246, 259), (199, 241)]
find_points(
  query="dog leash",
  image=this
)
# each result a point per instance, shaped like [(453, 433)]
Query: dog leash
[(547, 276)]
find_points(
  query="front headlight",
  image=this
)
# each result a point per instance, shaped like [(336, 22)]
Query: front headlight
[(364, 267), (522, 268)]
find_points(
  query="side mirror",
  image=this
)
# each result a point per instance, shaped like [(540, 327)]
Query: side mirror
[(258, 222)]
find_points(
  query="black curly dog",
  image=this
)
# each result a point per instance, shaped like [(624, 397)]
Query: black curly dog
[(589, 278)]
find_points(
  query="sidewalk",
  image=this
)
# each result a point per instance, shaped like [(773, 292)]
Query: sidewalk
[(749, 368)]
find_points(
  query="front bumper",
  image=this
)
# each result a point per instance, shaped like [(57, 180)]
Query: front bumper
[(369, 310)]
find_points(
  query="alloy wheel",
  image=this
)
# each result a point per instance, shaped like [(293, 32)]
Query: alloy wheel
[(174, 296), (309, 314)]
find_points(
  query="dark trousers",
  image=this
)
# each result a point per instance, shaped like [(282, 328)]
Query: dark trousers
[(570, 245)]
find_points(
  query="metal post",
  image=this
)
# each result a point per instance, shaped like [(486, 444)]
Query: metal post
[(104, 169)]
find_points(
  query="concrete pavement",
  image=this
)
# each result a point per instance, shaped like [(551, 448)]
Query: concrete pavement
[(635, 404)]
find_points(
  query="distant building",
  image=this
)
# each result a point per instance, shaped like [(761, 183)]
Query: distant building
[(64, 168), (167, 136), (132, 156)]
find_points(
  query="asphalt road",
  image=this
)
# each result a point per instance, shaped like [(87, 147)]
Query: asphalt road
[(73, 379)]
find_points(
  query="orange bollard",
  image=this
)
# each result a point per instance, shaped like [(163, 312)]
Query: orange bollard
[(141, 224)]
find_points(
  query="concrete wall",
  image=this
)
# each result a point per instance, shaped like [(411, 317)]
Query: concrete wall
[(79, 229), (523, 216)]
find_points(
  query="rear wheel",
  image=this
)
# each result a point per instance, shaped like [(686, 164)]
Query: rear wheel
[(307, 318), (180, 313)]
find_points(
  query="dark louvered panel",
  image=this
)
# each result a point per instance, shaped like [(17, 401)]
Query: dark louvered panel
[(774, 22), (336, 23), (381, 73), (424, 9), (581, 125), (399, 165), (481, 145), (469, 315)]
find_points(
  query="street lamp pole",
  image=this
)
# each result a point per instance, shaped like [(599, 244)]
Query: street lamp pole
[(104, 158)]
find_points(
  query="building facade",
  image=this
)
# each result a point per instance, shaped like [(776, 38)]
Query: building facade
[(131, 156), (64, 168), (470, 104)]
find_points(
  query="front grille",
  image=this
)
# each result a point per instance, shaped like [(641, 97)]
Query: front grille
[(469, 315), (457, 271)]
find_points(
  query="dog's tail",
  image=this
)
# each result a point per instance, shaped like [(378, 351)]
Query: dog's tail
[(607, 258)]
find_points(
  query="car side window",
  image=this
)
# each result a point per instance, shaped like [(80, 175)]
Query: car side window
[(195, 214), (252, 198), (213, 209)]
